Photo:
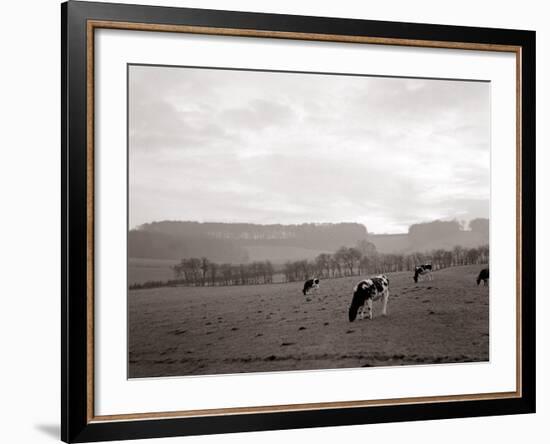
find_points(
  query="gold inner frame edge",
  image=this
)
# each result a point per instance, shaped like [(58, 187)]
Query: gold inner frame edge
[(105, 24)]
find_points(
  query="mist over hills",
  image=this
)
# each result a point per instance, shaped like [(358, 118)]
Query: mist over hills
[(241, 242), (433, 235)]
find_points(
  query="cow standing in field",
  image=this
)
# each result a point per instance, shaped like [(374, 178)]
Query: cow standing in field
[(423, 270), (310, 284), (367, 291), (483, 276)]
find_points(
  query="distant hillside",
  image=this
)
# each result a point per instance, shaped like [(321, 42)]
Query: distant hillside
[(281, 254), (159, 245), (433, 235), (390, 243), (239, 243)]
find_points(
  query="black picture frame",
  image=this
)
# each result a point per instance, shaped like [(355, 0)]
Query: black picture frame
[(77, 425)]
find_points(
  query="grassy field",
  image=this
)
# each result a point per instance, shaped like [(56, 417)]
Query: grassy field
[(198, 331), (141, 270)]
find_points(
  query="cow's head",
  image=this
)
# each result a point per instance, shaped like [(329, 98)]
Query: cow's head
[(352, 313), (358, 300)]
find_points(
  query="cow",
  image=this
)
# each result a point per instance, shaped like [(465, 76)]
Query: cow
[(367, 291), (483, 276), (310, 284), (423, 270)]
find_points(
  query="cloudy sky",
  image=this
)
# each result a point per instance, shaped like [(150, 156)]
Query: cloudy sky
[(261, 147)]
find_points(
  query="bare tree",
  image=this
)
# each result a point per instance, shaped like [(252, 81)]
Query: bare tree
[(225, 270), (458, 253), (269, 272), (205, 265), (213, 272), (243, 274)]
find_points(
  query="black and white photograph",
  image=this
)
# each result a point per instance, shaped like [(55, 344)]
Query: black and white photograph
[(282, 221), (238, 221)]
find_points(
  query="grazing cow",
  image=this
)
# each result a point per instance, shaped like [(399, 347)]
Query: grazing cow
[(483, 276), (367, 291), (423, 270), (310, 284)]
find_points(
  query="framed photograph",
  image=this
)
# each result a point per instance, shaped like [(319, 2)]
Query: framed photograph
[(275, 221)]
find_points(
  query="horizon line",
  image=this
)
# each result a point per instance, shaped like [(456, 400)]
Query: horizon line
[(136, 227)]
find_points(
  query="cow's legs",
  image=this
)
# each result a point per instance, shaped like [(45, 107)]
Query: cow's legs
[(385, 301), (369, 305)]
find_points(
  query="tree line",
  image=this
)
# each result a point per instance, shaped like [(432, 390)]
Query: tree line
[(346, 261), (355, 261), (163, 239), (202, 272)]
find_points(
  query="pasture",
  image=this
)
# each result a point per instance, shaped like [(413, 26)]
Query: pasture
[(141, 270), (177, 331)]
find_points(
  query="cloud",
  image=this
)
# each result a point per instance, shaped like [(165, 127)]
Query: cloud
[(225, 145), (259, 114)]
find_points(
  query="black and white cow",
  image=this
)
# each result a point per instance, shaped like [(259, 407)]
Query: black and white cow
[(483, 276), (367, 291), (423, 270), (310, 284)]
